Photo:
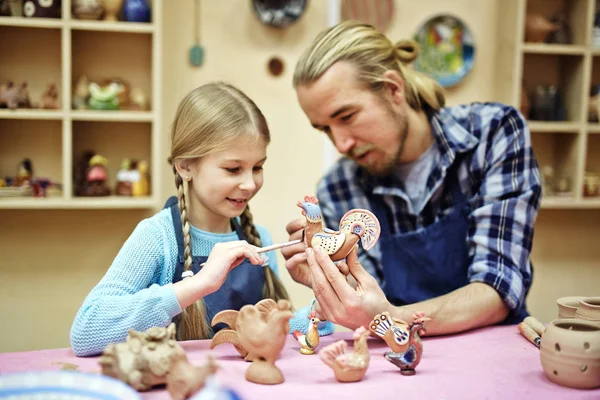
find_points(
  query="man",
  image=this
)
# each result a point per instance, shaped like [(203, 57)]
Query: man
[(456, 190)]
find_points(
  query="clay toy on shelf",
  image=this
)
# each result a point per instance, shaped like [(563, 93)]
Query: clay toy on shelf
[(264, 340), (348, 366), (96, 177), (153, 357), (126, 175), (81, 93), (14, 96), (49, 98), (229, 318), (355, 225), (308, 342), (87, 9), (403, 339), (104, 97), (24, 173), (141, 186)]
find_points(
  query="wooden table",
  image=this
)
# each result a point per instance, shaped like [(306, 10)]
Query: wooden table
[(489, 363)]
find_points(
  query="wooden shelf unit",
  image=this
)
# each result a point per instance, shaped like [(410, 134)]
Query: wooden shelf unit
[(564, 145), (44, 50)]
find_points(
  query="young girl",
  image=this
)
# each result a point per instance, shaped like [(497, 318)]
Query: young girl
[(218, 149)]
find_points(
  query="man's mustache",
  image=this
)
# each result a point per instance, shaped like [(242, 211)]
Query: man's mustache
[(358, 151)]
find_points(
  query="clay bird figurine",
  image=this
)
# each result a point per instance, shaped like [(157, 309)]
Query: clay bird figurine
[(229, 318), (355, 224), (309, 342), (403, 339), (348, 366), (264, 339)]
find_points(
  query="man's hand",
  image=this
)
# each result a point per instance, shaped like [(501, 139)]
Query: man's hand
[(295, 256), (340, 301)]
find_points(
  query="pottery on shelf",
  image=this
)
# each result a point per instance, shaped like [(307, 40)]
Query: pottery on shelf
[(112, 8), (136, 11), (570, 353), (538, 28)]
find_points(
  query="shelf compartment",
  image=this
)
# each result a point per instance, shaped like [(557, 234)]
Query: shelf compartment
[(105, 26), (565, 72), (575, 12), (557, 155), (35, 58), (52, 23), (104, 56), (593, 115), (115, 141), (40, 141)]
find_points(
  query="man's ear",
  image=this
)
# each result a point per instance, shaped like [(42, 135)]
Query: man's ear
[(394, 86), (185, 168)]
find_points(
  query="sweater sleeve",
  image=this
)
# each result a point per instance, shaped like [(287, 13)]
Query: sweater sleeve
[(128, 296)]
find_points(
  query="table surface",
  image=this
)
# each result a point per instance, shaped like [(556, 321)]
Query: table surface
[(489, 363)]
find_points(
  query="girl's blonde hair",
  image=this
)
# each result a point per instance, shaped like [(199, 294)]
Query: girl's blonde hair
[(207, 120), (373, 54)]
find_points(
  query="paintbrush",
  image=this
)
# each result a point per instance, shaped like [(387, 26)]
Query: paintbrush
[(273, 247)]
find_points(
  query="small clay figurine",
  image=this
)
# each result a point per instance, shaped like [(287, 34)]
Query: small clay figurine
[(96, 177), (348, 366), (141, 184), (125, 179), (538, 28), (81, 93), (264, 340), (104, 97), (152, 358), (229, 318), (50, 98), (137, 99), (309, 342), (24, 173), (14, 96), (403, 339), (355, 224)]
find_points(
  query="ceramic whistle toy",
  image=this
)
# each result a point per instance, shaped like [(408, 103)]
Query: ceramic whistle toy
[(355, 225), (402, 338), (309, 342), (348, 366)]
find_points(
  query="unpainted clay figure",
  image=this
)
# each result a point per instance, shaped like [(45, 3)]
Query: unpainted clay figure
[(403, 339), (14, 96), (309, 342), (49, 98), (348, 366), (264, 340), (152, 358), (229, 318), (355, 225)]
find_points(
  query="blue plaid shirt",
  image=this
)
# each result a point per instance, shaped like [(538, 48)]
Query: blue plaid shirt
[(498, 174)]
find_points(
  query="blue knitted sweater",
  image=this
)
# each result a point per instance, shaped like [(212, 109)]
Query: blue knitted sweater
[(137, 290)]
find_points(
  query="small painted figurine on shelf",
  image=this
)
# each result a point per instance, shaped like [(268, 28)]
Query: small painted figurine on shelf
[(24, 172), (309, 342), (153, 358), (49, 98), (104, 97), (264, 340), (87, 9), (355, 225), (403, 339), (125, 178), (141, 185), (80, 172), (97, 177), (81, 93), (14, 96), (137, 99), (348, 366)]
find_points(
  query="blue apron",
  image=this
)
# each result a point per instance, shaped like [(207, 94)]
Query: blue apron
[(431, 261), (243, 285)]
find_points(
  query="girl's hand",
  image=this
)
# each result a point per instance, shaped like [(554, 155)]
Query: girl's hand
[(223, 258)]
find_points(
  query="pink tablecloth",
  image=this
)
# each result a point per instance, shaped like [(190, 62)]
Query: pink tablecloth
[(490, 363)]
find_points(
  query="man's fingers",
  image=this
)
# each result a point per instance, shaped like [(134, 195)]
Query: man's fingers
[(295, 225), (321, 287), (334, 277), (343, 267), (356, 269)]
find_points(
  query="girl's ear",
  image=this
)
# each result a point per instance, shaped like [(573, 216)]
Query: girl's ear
[(185, 169)]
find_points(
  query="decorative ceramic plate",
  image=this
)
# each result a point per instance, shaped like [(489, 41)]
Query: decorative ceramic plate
[(63, 385), (279, 13), (447, 49)]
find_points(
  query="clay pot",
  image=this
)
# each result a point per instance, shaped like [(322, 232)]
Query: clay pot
[(589, 309), (570, 353), (538, 27), (567, 306)]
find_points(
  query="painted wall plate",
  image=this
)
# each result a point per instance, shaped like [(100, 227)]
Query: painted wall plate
[(447, 49), (63, 385), (279, 13)]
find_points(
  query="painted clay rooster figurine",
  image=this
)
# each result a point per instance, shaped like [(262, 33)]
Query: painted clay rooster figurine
[(348, 366), (403, 339), (355, 224), (229, 318), (264, 339), (309, 342)]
